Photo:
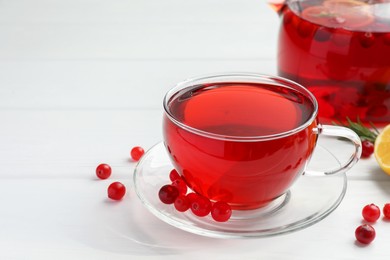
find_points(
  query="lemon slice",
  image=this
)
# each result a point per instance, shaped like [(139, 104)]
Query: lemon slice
[(357, 12), (382, 149), (343, 3), (350, 14)]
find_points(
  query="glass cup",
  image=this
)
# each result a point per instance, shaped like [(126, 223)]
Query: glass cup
[(245, 138)]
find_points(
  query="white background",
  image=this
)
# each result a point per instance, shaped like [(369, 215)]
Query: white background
[(82, 82)]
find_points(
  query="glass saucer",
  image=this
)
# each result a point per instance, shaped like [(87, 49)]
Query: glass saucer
[(311, 199)]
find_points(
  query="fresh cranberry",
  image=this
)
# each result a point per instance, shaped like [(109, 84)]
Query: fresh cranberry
[(182, 203), (367, 149), (371, 212), (174, 175), (137, 152), (116, 191), (192, 196), (168, 194), (221, 211), (386, 210), (365, 234), (180, 185), (200, 206), (103, 171), (366, 39)]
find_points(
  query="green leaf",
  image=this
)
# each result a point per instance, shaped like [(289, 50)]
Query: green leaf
[(362, 131)]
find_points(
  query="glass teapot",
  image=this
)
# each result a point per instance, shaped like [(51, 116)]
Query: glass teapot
[(340, 51)]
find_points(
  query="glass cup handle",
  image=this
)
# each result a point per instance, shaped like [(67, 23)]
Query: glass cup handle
[(341, 132)]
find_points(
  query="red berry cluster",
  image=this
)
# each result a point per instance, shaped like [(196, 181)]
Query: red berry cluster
[(365, 233), (116, 190), (176, 194)]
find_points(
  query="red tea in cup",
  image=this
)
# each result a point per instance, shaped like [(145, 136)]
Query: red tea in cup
[(242, 139)]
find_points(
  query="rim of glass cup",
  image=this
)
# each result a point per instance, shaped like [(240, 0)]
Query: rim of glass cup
[(238, 78)]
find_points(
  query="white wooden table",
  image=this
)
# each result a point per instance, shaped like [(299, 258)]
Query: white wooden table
[(82, 82)]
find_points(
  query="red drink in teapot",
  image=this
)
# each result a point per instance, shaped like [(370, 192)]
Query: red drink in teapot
[(340, 51)]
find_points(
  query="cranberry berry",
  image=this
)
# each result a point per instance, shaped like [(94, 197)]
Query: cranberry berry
[(182, 203), (180, 185), (371, 212), (174, 175), (365, 234), (221, 211), (137, 152), (386, 210), (367, 149), (192, 196), (116, 191), (200, 206), (103, 171), (168, 194)]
